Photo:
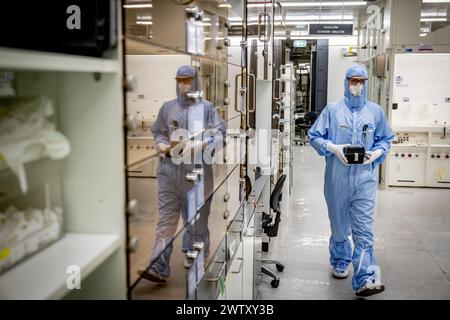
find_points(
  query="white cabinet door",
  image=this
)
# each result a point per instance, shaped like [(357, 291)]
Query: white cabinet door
[(234, 282), (247, 290), (407, 167)]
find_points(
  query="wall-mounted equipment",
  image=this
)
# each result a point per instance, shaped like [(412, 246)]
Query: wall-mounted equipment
[(299, 43), (349, 52), (380, 64), (82, 27)]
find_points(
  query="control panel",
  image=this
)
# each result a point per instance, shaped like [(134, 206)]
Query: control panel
[(420, 159), (407, 155), (413, 139)]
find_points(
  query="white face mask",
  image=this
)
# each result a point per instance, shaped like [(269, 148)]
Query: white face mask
[(185, 88), (356, 90)]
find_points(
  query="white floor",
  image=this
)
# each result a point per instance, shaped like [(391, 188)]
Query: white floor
[(412, 233)]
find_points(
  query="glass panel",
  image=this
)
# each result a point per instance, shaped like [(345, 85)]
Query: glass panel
[(235, 194), (234, 234), (161, 37), (257, 248), (434, 16), (167, 262), (213, 281), (200, 29), (143, 187), (260, 18), (219, 186), (235, 257), (159, 21), (258, 202), (215, 35), (213, 215), (218, 82), (143, 157), (154, 85)]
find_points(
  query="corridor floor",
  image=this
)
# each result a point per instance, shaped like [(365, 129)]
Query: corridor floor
[(412, 240)]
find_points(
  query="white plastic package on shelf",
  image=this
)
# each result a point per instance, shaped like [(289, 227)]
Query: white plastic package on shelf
[(30, 222), (27, 134), (24, 232), (31, 210)]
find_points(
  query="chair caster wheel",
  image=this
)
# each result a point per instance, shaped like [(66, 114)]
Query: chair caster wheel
[(280, 267), (275, 283)]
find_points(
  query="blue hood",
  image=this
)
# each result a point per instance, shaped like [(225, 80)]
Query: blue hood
[(351, 101), (188, 71)]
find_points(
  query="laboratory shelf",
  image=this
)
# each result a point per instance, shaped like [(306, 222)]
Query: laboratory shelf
[(18, 59), (44, 275), (409, 145), (420, 146), (419, 129), (140, 137), (440, 145)]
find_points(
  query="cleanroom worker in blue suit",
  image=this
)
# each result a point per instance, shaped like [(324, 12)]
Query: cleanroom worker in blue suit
[(196, 121), (350, 190)]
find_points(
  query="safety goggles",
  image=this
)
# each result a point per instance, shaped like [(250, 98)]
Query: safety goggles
[(355, 81), (185, 80)]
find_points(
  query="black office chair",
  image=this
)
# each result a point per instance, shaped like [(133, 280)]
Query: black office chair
[(270, 227), (308, 121)]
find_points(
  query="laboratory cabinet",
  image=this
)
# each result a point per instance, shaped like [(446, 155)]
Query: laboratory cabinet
[(88, 177), (419, 116), (420, 157), (211, 39), (208, 38), (62, 181), (80, 170)]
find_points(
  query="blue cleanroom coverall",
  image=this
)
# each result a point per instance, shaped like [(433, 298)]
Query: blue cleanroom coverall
[(350, 190)]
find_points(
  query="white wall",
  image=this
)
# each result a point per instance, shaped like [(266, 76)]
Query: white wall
[(338, 65), (155, 76)]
